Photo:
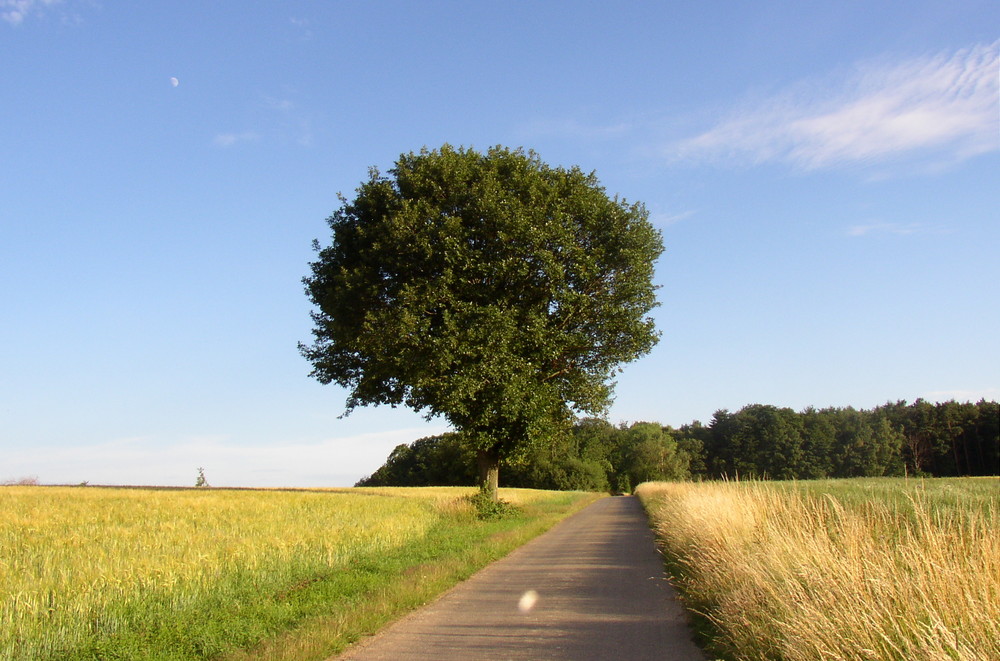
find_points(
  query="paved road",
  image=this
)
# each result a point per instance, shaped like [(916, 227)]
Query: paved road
[(601, 596)]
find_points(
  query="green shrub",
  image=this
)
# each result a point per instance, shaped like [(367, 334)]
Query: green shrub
[(488, 509)]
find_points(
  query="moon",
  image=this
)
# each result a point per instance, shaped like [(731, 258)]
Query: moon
[(174, 81)]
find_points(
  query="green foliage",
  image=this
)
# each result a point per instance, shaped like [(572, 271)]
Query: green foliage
[(489, 508), (442, 461), (758, 441), (593, 456), (201, 481), (490, 289), (946, 439), (653, 455)]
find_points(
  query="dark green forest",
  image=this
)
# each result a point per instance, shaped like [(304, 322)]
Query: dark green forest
[(758, 441)]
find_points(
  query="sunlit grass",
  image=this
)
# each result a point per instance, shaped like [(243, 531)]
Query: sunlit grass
[(189, 573), (848, 569)]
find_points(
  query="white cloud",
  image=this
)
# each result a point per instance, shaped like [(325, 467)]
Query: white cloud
[(148, 461), (944, 107), (15, 11), (230, 139), (899, 229), (972, 395)]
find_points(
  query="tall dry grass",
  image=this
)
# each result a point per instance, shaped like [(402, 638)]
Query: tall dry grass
[(785, 571)]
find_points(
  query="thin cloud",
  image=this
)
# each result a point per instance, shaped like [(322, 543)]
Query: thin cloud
[(227, 462), (302, 25), (230, 139), (666, 219), (283, 105), (15, 11), (278, 119), (295, 122), (971, 395), (944, 107), (898, 229)]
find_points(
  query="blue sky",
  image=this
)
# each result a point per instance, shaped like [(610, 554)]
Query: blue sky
[(826, 177)]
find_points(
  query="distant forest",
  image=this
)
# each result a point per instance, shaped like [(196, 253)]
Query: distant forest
[(758, 441)]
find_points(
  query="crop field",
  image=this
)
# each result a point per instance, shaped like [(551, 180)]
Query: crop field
[(122, 573), (838, 569)]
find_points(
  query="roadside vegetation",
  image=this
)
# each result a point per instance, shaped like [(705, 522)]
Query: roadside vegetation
[(872, 569), (121, 573)]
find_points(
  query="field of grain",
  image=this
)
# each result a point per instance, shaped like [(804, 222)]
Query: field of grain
[(839, 569), (189, 573)]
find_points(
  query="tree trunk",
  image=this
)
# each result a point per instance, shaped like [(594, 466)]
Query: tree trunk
[(489, 472)]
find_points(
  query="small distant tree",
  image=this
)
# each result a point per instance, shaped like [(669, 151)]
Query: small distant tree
[(491, 289), (27, 481), (201, 481)]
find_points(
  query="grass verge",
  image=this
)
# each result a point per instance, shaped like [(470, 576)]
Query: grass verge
[(838, 569)]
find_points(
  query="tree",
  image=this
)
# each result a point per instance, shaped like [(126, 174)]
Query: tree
[(819, 436), (491, 289), (433, 461), (692, 439), (769, 440), (201, 481), (720, 453), (652, 454)]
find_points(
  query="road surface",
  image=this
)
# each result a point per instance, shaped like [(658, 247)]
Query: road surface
[(590, 589)]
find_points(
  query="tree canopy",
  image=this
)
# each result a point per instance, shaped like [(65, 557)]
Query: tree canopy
[(490, 289)]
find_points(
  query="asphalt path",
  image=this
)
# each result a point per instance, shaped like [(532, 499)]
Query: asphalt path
[(590, 589)]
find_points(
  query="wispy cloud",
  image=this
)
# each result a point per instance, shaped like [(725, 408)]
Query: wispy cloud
[(665, 219), (15, 11), (944, 108), (294, 120), (281, 105), (302, 25), (898, 229), (278, 118), (231, 139), (970, 395), (227, 462)]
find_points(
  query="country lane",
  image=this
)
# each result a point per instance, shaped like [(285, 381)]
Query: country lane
[(590, 589)]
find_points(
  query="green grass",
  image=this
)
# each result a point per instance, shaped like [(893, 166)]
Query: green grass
[(945, 495), (195, 574)]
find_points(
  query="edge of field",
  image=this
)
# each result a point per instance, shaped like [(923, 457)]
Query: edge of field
[(408, 578)]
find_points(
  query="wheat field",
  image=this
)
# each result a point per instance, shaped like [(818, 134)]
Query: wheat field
[(837, 570), (85, 564)]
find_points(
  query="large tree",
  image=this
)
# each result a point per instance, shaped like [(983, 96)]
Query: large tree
[(491, 289)]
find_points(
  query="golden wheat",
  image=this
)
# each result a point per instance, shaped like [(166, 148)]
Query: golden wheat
[(810, 573), (77, 560)]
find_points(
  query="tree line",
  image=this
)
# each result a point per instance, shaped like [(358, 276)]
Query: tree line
[(758, 441)]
